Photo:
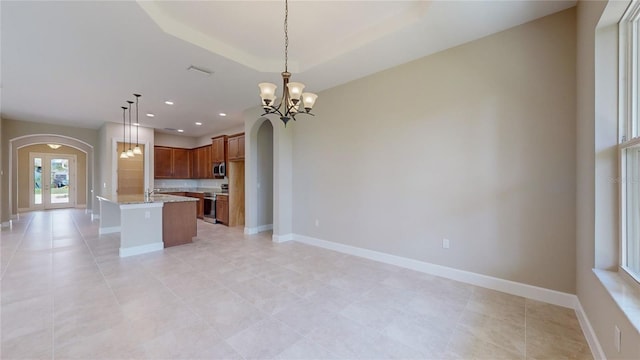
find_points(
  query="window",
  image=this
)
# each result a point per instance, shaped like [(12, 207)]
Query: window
[(629, 147)]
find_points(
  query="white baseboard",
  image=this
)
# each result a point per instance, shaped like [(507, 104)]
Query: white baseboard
[(108, 230), (95, 216), (507, 286), (589, 334), (142, 249), (81, 206), (282, 238), (510, 287), (7, 224), (258, 229)]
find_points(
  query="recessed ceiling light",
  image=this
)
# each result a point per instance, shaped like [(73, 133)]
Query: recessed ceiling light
[(198, 123), (222, 114), (180, 130), (150, 115), (168, 102), (136, 124)]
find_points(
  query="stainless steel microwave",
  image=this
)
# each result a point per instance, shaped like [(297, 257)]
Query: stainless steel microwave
[(219, 169)]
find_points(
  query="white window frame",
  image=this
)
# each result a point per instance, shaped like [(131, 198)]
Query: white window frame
[(629, 123)]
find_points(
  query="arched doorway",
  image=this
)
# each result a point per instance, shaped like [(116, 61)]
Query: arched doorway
[(265, 177), (27, 140), (282, 178)]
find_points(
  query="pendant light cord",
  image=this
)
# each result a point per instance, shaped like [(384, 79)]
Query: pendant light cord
[(137, 121), (130, 105), (286, 35), (124, 129)]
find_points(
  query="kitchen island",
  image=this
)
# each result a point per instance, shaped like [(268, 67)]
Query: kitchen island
[(150, 224)]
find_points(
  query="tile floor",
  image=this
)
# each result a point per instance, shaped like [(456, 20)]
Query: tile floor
[(67, 294)]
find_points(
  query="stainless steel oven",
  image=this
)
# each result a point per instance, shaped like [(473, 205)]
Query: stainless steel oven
[(210, 208)]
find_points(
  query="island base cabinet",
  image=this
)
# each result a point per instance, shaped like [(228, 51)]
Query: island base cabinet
[(179, 223)]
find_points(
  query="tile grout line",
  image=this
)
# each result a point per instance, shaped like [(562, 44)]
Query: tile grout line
[(53, 299), (459, 318), (525, 328), (267, 315), (17, 247), (84, 240)]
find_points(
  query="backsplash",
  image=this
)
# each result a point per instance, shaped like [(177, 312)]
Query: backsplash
[(188, 183)]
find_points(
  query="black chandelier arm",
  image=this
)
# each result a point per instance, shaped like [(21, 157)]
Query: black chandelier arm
[(270, 110), (292, 115)]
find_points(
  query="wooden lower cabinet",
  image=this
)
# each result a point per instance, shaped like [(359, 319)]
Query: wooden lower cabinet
[(200, 204), (222, 209), (179, 223), (175, 193)]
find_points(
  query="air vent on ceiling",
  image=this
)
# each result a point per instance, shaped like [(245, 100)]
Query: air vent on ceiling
[(199, 70)]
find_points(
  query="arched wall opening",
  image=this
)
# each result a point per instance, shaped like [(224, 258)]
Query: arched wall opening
[(265, 176), (27, 140), (256, 135)]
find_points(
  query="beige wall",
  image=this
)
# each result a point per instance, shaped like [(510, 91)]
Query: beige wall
[(187, 142), (24, 167), (3, 191), (475, 144), (12, 129), (109, 135), (265, 174), (596, 209), (206, 139)]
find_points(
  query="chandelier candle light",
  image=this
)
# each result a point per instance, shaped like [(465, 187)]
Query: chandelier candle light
[(289, 107)]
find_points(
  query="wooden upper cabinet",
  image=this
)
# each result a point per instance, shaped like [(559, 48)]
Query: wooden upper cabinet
[(178, 163), (235, 148), (206, 168), (163, 162), (201, 164), (181, 163), (195, 171), (171, 163), (219, 149)]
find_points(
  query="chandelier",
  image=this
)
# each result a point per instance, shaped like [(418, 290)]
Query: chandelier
[(293, 96)]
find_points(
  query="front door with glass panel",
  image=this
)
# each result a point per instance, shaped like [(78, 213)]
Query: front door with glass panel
[(52, 181)]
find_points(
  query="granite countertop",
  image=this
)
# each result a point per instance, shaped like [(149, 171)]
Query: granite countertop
[(139, 199), (192, 190)]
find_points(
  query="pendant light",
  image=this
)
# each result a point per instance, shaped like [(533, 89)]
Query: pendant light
[(130, 151), (292, 95), (137, 150), (124, 155)]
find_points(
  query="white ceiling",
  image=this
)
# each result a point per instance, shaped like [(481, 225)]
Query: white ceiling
[(76, 63)]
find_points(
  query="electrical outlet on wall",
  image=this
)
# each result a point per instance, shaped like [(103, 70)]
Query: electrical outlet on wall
[(317, 223), (445, 243)]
